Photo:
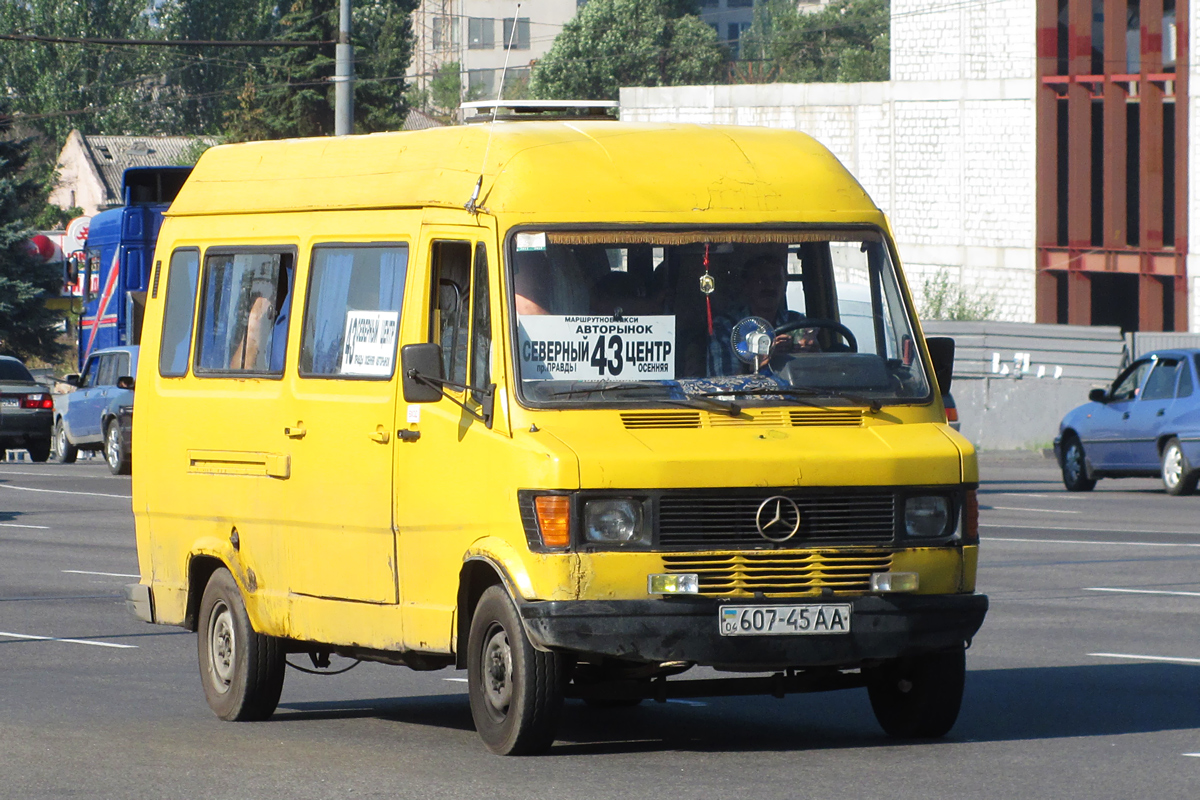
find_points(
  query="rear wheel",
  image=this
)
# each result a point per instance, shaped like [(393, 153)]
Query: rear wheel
[(241, 671), (64, 451), (918, 697), (516, 692), (116, 450), (1074, 467), (39, 450), (1178, 477)]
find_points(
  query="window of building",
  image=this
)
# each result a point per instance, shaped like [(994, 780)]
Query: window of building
[(521, 40), (352, 313), (481, 33), (244, 312), (481, 83), (178, 316)]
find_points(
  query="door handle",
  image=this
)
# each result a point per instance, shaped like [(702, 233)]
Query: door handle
[(1161, 411), (379, 436), (1125, 415), (296, 432)]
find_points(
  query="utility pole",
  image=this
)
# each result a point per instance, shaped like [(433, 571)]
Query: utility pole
[(343, 112)]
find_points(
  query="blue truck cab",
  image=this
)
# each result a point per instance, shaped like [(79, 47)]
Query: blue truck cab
[(119, 251)]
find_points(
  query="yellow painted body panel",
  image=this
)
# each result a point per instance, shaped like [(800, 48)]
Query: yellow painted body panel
[(345, 539)]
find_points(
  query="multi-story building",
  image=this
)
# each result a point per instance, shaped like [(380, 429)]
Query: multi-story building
[(476, 34)]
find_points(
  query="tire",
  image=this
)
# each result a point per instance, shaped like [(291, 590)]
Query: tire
[(918, 697), (39, 451), (116, 450), (1074, 467), (241, 671), (64, 451), (516, 692), (1178, 477)]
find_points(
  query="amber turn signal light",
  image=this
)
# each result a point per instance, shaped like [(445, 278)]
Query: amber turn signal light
[(554, 519)]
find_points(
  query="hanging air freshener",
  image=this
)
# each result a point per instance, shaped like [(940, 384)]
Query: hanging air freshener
[(707, 285)]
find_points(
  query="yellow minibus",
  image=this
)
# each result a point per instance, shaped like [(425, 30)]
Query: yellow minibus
[(574, 405)]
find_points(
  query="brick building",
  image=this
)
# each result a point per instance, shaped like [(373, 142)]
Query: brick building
[(987, 151)]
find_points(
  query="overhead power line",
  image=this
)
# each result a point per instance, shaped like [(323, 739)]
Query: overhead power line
[(26, 37)]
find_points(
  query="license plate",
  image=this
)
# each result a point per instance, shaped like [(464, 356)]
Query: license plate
[(9, 402), (785, 620)]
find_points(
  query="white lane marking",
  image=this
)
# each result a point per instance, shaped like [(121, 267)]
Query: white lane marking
[(1166, 659), (70, 641), (1034, 510), (1092, 542), (455, 680), (1139, 591), (15, 525), (105, 574), (687, 702), (64, 491), (1193, 755), (1081, 530)]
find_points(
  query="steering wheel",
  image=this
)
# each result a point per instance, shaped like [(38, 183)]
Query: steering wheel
[(846, 333)]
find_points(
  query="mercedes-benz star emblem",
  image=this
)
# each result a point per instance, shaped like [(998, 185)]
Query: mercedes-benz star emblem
[(777, 518)]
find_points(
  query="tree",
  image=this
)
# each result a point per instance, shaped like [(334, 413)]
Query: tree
[(846, 41), (291, 92), (615, 43), (27, 327), (944, 300)]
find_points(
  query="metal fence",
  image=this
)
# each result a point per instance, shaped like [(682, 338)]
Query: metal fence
[(1021, 350), (1141, 343)]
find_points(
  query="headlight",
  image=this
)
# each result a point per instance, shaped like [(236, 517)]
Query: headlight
[(612, 521), (926, 516)]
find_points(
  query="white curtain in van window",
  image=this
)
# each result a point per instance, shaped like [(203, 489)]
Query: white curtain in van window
[(393, 265), (335, 269)]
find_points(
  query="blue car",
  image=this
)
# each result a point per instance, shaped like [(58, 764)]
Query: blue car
[(1147, 424), (98, 415)]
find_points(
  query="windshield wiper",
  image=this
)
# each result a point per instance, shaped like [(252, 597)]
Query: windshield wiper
[(798, 392), (693, 401)]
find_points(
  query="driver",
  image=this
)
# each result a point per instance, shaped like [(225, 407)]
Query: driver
[(765, 289)]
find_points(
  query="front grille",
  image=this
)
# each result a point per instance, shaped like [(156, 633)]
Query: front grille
[(714, 521), (780, 574)]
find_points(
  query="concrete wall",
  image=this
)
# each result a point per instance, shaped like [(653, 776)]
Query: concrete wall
[(1007, 414)]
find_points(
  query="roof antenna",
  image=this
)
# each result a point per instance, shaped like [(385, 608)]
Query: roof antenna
[(471, 206)]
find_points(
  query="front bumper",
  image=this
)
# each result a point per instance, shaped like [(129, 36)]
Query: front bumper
[(686, 629)]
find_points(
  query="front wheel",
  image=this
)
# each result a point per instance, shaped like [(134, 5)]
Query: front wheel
[(116, 450), (1074, 467), (64, 451), (241, 671), (1178, 477), (516, 692), (918, 697)]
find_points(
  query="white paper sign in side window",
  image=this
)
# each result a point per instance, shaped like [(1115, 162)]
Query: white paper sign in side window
[(370, 343), (554, 347)]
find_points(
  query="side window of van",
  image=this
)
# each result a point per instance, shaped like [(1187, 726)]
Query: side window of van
[(182, 279), (352, 313), (481, 324), (451, 306), (244, 312)]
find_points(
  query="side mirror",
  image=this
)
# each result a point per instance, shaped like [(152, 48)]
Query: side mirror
[(72, 379), (1098, 396), (941, 353), (125, 382), (425, 360)]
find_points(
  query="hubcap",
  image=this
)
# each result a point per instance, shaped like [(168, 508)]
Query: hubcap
[(113, 449), (60, 439), (1172, 466), (497, 670), (222, 646), (1073, 463)]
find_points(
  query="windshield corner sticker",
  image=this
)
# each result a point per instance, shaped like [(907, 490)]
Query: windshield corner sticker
[(578, 348), (370, 343), (531, 241)]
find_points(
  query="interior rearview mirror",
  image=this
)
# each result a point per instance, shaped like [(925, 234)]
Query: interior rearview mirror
[(1097, 395), (423, 359), (941, 353)]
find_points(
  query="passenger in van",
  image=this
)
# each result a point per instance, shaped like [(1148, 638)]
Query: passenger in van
[(266, 327), (548, 282), (765, 295)]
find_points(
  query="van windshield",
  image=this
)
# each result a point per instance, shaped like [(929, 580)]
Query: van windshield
[(752, 316)]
